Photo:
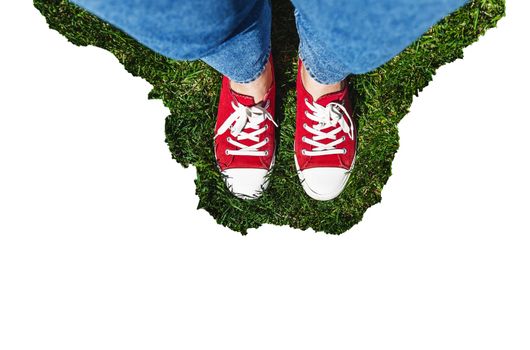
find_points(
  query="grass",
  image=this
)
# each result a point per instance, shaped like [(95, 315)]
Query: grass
[(190, 91)]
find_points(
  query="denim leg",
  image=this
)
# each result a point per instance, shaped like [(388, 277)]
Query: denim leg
[(341, 37), (243, 58), (233, 36)]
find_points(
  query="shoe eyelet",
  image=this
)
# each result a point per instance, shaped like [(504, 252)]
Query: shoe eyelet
[(343, 138), (304, 152), (306, 100), (228, 139), (304, 138), (344, 151), (266, 139), (266, 153), (266, 127), (226, 152), (305, 125)]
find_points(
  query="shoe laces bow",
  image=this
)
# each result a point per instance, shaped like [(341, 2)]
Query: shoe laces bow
[(245, 124), (335, 116)]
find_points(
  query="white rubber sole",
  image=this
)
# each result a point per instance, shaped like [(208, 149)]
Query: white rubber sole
[(263, 187), (318, 196)]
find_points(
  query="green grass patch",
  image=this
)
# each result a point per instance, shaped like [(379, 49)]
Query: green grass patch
[(190, 91)]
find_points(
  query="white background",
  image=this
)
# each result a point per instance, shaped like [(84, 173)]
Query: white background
[(101, 246)]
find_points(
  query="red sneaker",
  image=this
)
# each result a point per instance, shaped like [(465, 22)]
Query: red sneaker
[(325, 141), (245, 141)]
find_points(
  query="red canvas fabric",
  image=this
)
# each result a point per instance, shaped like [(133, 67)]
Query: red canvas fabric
[(225, 109)]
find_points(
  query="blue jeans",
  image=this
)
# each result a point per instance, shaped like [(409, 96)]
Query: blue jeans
[(337, 37)]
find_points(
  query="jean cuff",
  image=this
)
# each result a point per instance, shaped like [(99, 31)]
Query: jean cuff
[(319, 60), (262, 64), (319, 75)]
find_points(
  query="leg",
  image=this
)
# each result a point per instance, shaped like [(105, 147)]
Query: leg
[(232, 36), (337, 38)]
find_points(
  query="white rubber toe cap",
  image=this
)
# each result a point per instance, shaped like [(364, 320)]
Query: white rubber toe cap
[(246, 183), (324, 183)]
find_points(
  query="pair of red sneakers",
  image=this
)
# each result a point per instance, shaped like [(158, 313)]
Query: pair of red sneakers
[(245, 141)]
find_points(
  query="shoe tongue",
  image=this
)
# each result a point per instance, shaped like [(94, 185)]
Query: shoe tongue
[(245, 100), (332, 97)]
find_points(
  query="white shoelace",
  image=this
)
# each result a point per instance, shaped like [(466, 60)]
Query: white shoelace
[(334, 115), (242, 119)]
